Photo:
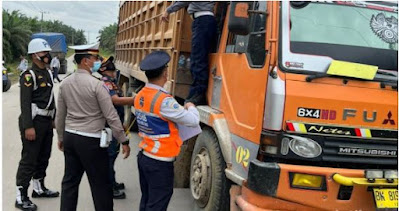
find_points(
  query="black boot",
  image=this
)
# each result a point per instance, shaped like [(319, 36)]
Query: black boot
[(118, 194), (197, 99), (23, 202), (119, 186), (40, 190)]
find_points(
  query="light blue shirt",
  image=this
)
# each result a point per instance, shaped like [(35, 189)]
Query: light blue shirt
[(173, 111)]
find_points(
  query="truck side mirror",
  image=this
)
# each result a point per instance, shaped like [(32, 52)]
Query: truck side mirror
[(239, 18)]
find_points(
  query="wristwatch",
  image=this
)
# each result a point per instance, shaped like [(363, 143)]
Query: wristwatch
[(126, 142)]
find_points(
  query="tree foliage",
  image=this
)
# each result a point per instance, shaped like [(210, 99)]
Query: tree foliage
[(108, 37), (18, 28)]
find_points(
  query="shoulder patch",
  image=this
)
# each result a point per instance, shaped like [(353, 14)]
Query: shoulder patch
[(28, 77), (172, 103), (28, 84), (109, 85)]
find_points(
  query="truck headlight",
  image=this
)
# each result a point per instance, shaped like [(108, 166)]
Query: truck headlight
[(391, 174), (373, 174), (305, 147)]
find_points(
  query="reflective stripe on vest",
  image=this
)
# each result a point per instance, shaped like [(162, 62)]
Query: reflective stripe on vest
[(160, 136)]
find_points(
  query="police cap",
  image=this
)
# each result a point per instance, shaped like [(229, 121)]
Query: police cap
[(91, 49), (155, 61)]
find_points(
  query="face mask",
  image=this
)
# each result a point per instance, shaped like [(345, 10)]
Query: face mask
[(96, 66), (42, 58)]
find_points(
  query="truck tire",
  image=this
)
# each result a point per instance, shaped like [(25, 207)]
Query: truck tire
[(129, 116), (208, 183), (7, 86)]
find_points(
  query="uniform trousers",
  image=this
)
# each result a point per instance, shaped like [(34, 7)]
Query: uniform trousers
[(35, 154), (203, 39), (156, 183), (84, 154)]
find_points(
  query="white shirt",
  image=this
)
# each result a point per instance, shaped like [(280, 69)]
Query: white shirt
[(173, 111), (23, 65), (55, 63)]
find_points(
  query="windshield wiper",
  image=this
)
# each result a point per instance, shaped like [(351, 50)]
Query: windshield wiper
[(383, 82)]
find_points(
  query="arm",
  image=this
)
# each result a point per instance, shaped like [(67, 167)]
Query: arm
[(60, 116), (26, 100), (109, 112), (173, 111), (116, 100)]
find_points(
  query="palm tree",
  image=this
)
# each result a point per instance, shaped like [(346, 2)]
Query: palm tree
[(16, 35), (108, 37)]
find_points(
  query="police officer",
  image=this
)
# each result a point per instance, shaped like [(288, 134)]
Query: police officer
[(84, 106), (36, 125), (157, 114), (108, 72)]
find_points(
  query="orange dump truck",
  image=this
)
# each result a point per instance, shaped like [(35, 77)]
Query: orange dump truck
[(302, 102)]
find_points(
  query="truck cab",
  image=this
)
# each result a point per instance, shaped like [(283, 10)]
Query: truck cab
[(302, 102)]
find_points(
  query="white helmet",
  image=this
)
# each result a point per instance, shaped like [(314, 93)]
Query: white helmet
[(38, 45)]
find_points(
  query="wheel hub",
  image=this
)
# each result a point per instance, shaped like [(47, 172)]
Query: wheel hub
[(200, 177)]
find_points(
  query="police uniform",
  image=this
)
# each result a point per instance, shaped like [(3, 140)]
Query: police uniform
[(37, 111), (157, 114), (114, 147), (84, 106)]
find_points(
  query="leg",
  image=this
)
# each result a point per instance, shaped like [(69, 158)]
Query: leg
[(203, 33), (113, 151), (160, 183), (29, 157), (45, 130), (96, 164), (143, 182), (72, 176)]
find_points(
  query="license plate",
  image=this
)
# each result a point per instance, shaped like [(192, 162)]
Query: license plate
[(386, 198)]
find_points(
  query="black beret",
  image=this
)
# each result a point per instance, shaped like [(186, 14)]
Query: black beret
[(155, 61), (108, 64)]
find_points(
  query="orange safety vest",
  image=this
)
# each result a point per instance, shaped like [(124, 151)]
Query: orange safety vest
[(160, 136)]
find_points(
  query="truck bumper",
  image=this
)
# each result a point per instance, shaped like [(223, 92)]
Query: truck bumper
[(269, 187)]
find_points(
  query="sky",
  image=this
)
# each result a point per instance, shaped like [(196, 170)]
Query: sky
[(90, 16)]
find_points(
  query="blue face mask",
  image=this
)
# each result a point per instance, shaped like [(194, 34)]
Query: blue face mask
[(96, 66)]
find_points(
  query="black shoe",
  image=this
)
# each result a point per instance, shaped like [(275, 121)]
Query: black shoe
[(26, 204), (46, 194), (197, 99), (118, 194), (119, 186)]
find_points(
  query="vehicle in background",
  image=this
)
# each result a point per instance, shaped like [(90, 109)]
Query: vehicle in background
[(6, 79), (58, 47), (292, 121)]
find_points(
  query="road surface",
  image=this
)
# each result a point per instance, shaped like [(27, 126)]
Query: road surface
[(126, 170)]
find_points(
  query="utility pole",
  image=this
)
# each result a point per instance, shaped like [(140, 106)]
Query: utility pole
[(41, 24), (88, 37)]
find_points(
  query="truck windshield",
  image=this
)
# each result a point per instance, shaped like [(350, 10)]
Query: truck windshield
[(358, 32)]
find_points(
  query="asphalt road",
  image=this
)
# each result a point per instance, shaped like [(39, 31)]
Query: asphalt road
[(126, 170)]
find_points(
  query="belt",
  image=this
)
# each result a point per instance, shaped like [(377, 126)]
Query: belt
[(166, 159), (91, 135), (45, 112), (201, 13)]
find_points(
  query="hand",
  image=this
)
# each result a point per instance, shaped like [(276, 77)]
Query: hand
[(61, 146), (188, 105), (165, 16), (53, 124), (125, 151), (30, 134)]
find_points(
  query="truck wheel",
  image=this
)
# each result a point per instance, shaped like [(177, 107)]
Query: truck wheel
[(208, 183), (7, 86), (129, 116)]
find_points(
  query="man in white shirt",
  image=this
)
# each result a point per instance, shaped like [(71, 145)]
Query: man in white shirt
[(55, 67)]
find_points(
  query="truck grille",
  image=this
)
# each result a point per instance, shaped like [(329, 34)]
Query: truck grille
[(377, 152)]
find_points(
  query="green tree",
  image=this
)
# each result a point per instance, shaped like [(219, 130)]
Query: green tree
[(108, 37), (16, 35)]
